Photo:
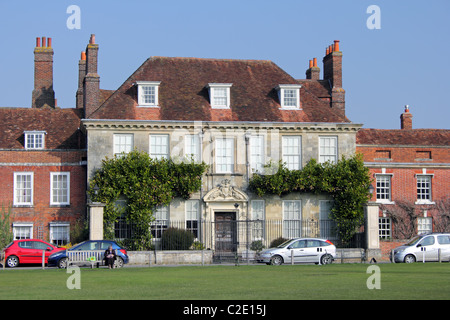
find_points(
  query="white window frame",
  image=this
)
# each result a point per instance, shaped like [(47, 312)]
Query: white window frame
[(287, 155), (34, 140), (258, 216), (420, 180), (17, 190), (292, 219), (57, 236), (224, 155), (17, 230), (52, 189), (161, 222), (214, 90), (141, 87), (424, 224), (123, 142), (326, 152), (381, 185), (283, 95), (192, 215), (257, 153), (192, 148), (159, 155), (384, 228)]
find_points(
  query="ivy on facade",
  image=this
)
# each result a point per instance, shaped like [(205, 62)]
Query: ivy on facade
[(346, 181), (145, 183)]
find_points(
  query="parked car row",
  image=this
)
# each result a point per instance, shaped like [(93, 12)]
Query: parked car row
[(427, 247), (29, 251)]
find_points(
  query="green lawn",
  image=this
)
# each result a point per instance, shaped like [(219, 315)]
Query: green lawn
[(336, 281)]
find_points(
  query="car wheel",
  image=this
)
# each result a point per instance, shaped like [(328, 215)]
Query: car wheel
[(12, 261), (62, 263), (326, 259), (118, 263), (410, 259), (276, 260)]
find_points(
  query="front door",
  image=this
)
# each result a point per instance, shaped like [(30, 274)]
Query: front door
[(225, 228)]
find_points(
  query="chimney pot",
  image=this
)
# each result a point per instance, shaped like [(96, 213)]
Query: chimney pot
[(336, 45), (315, 62), (38, 42), (310, 63), (49, 42), (92, 39), (406, 119), (44, 42), (83, 55)]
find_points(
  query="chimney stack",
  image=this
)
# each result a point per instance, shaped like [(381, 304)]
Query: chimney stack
[(313, 72), (406, 119), (43, 94), (91, 86), (81, 75), (332, 72)]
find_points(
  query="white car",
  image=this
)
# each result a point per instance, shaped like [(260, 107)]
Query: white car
[(427, 247), (310, 250)]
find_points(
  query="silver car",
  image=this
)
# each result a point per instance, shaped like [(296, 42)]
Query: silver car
[(426, 247), (299, 250)]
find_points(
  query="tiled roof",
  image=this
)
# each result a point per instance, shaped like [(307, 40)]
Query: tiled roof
[(419, 137), (183, 94), (61, 125)]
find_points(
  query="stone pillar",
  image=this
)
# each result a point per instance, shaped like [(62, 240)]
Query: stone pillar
[(96, 220), (371, 211)]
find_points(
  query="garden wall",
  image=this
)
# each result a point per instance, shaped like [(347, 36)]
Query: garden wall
[(386, 247), (178, 257)]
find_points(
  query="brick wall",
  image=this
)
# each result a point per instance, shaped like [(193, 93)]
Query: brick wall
[(387, 247), (41, 213)]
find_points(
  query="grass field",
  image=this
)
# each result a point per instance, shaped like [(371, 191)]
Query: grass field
[(336, 281)]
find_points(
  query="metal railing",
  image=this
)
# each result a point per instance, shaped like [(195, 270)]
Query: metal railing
[(242, 235)]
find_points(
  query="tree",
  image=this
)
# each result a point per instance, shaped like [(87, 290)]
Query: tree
[(6, 235), (145, 183)]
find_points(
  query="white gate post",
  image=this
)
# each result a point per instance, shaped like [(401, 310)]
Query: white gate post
[(96, 220)]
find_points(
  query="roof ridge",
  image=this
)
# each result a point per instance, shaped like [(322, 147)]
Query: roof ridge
[(213, 59)]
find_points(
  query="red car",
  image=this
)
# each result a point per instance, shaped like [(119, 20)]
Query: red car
[(28, 251)]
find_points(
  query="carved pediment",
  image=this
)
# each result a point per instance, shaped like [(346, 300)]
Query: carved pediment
[(225, 192)]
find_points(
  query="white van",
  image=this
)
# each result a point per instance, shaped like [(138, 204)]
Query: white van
[(426, 247)]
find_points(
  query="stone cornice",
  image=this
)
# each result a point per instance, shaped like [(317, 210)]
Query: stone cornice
[(89, 124)]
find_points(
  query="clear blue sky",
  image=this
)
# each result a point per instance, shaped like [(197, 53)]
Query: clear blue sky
[(405, 62)]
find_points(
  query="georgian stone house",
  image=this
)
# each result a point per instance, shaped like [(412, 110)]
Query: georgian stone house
[(236, 116)]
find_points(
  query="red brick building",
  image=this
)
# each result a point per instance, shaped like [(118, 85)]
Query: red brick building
[(43, 160), (411, 177)]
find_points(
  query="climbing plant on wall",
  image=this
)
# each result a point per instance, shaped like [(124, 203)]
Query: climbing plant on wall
[(347, 181), (145, 183)]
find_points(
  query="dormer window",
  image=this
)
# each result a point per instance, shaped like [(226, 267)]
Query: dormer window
[(219, 95), (35, 140), (148, 93), (289, 95)]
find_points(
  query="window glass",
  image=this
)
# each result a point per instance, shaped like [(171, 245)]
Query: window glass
[(40, 245), (428, 241), (26, 244), (443, 239)]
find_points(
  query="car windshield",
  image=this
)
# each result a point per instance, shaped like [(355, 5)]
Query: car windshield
[(284, 244), (414, 241)]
